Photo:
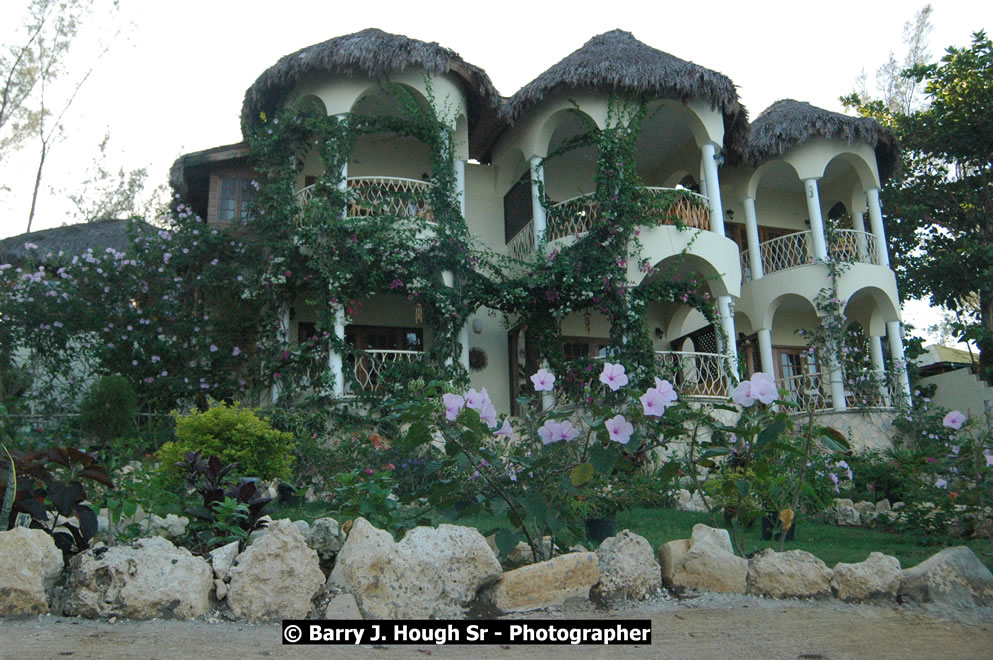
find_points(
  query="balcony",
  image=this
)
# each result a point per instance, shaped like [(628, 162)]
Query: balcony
[(864, 390), (794, 250), (695, 375), (578, 215), (382, 195), (376, 370)]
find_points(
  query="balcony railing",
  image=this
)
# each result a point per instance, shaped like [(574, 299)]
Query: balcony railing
[(521, 246), (382, 195), (806, 390), (372, 368), (578, 215), (792, 250), (695, 375)]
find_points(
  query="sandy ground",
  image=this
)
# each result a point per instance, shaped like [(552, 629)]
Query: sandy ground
[(711, 626)]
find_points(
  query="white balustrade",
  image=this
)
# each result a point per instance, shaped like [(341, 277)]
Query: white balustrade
[(382, 195), (695, 375), (521, 246), (372, 365)]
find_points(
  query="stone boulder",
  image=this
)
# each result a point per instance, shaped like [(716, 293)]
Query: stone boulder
[(846, 516), (430, 574), (954, 576), (687, 502), (545, 584), (705, 561), (29, 564), (628, 569), (276, 577), (222, 559), (148, 579), (344, 608), (326, 538), (878, 577), (791, 574)]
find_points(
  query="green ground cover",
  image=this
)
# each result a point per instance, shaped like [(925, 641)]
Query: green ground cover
[(830, 543)]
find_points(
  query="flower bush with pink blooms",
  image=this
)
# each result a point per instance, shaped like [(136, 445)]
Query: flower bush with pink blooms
[(539, 473)]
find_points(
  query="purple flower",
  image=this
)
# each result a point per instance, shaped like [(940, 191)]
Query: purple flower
[(764, 387), (989, 457), (742, 394), (941, 483), (235, 352), (954, 420), (453, 404), (476, 400), (543, 381), (552, 431), (613, 376), (166, 257), (834, 479), (505, 430), (213, 348), (620, 429), (155, 358)]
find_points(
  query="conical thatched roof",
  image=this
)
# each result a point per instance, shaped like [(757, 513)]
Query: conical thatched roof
[(787, 123), (618, 62), (72, 240), (373, 53)]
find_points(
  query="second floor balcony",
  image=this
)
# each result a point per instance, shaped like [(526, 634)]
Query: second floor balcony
[(797, 249), (370, 196)]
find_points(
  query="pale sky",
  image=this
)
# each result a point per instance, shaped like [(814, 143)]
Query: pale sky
[(173, 82)]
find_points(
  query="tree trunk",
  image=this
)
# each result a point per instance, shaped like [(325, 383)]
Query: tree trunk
[(37, 183), (986, 339)]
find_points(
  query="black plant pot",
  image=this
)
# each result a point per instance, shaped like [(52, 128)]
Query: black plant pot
[(770, 523), (598, 529)]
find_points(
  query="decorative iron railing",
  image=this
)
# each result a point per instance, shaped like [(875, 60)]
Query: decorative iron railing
[(787, 251), (806, 390), (794, 250), (853, 246), (372, 367), (695, 375), (578, 215), (521, 246), (873, 389), (382, 195)]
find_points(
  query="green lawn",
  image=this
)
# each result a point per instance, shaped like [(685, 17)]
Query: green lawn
[(831, 543)]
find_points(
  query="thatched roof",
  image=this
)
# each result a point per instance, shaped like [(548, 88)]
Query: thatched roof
[(72, 240), (787, 123), (373, 53), (223, 154), (616, 61)]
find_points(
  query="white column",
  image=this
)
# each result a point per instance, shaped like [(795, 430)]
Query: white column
[(765, 352), (876, 221), (752, 232), (537, 208), (709, 151), (858, 221), (464, 340), (838, 398), (547, 398), (284, 338), (727, 325), (336, 363), (879, 367), (460, 183), (896, 352), (816, 221)]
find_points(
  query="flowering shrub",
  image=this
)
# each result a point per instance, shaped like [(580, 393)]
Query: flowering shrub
[(534, 471)]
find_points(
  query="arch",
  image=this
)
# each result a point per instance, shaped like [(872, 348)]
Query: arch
[(312, 102), (687, 267), (872, 308), (555, 121), (461, 138), (387, 153), (670, 139), (866, 173), (571, 172), (788, 302), (769, 168), (377, 99)]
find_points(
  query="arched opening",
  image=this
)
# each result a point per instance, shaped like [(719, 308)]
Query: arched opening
[(798, 370)]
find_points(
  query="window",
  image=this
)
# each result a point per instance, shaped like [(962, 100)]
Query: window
[(236, 196), (576, 348)]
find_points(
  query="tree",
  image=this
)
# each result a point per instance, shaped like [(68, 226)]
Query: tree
[(940, 210)]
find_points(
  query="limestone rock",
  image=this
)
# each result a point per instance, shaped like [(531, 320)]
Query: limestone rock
[(847, 516), (343, 608), (151, 578), (719, 537), (876, 577), (883, 505), (220, 589), (709, 567), (669, 556), (303, 526), (843, 501), (29, 564), (546, 584), (276, 577), (694, 502), (326, 538), (954, 576), (628, 569), (222, 559), (431, 573), (791, 574), (865, 507)]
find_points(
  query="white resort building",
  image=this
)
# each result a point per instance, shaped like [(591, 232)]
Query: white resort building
[(777, 197)]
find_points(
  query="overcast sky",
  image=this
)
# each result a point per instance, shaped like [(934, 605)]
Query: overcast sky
[(173, 81)]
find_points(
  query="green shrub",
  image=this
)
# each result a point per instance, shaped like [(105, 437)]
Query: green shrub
[(235, 435), (109, 409)]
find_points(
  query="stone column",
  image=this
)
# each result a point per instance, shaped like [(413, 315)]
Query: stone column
[(876, 221), (709, 154), (879, 367), (752, 231), (816, 221), (899, 360), (727, 325), (336, 362), (858, 221), (765, 352), (460, 184), (537, 207)]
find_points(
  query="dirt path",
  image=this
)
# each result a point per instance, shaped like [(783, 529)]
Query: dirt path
[(710, 627)]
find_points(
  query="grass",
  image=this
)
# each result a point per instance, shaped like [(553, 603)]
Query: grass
[(830, 543)]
